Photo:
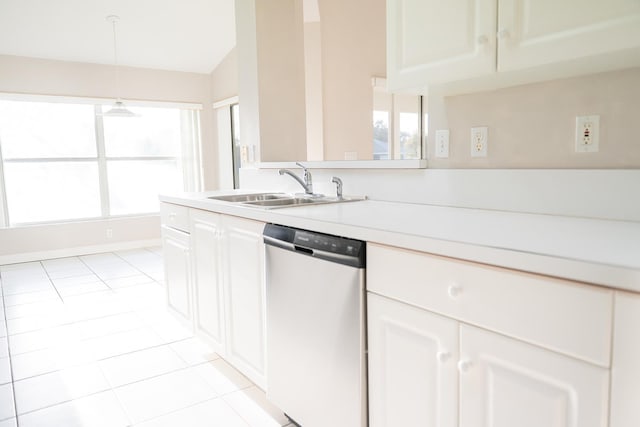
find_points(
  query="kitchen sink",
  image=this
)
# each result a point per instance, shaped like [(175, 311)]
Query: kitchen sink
[(255, 197), (280, 200)]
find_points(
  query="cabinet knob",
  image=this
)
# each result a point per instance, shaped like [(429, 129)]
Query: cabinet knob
[(503, 34), (443, 356), (464, 366), (454, 291), (483, 40)]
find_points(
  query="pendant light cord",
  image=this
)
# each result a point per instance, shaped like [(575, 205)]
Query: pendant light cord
[(114, 19)]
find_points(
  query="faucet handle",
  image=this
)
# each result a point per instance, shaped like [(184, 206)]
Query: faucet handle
[(301, 165), (338, 183)]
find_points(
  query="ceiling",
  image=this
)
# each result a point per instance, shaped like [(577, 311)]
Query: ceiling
[(185, 35)]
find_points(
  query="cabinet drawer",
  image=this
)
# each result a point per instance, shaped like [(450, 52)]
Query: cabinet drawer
[(564, 316), (174, 216)]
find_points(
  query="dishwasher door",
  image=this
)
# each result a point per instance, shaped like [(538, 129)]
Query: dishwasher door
[(316, 365)]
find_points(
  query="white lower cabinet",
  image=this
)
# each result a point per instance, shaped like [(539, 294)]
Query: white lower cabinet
[(244, 290), (625, 371), (206, 252), (506, 382), (419, 376), (177, 271), (458, 344), (214, 271), (413, 379)]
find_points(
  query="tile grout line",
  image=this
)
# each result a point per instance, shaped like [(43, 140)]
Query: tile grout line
[(50, 281), (123, 259)]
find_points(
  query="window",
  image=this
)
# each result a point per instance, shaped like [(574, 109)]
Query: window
[(397, 125), (65, 161)]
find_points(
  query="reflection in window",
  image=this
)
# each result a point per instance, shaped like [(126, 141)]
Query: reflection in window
[(397, 126), (409, 136), (380, 135)]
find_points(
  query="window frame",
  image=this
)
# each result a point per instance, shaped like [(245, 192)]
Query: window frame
[(189, 149)]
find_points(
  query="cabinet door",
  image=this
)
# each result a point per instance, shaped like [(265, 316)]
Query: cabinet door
[(434, 41), (207, 279), (175, 247), (245, 299), (412, 366), (538, 32), (506, 383), (625, 380)]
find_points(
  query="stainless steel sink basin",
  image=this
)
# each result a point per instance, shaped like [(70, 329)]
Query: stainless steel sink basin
[(280, 200), (285, 202), (255, 197), (301, 201)]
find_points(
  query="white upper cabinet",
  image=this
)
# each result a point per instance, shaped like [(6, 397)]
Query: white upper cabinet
[(488, 43), (537, 32), (433, 41)]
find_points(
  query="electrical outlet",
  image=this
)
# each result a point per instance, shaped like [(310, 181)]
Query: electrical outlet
[(587, 134), (442, 143), (479, 141)]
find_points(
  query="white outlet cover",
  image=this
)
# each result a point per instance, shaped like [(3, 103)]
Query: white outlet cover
[(479, 141), (587, 134), (442, 143)]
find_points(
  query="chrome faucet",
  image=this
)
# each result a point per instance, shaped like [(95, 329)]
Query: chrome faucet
[(338, 182), (306, 181)]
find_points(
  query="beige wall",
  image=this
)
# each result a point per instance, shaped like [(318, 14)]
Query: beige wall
[(270, 43), (353, 51), (224, 79), (533, 126)]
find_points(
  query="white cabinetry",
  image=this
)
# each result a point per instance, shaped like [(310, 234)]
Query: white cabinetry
[(206, 251), (431, 42), (412, 366), (505, 383), (177, 261), (523, 359), (214, 272), (625, 373), (245, 297)]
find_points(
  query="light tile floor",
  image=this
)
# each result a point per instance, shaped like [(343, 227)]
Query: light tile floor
[(86, 341)]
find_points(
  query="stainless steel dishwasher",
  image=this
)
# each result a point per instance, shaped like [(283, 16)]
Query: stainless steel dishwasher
[(316, 364)]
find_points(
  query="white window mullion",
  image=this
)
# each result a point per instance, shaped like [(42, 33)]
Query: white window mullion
[(102, 164), (4, 208)]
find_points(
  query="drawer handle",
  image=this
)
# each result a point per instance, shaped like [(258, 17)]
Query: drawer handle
[(464, 366), (443, 356), (172, 216), (454, 291)]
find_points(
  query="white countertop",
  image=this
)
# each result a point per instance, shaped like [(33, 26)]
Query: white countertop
[(595, 251)]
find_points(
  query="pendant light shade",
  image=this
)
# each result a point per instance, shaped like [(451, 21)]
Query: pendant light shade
[(118, 109)]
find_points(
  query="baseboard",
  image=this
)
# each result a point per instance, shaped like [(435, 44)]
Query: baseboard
[(80, 250)]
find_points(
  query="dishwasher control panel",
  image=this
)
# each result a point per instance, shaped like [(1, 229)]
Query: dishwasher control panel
[(316, 244)]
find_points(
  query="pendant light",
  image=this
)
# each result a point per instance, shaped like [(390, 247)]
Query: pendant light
[(118, 109)]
